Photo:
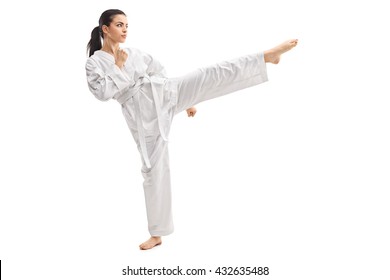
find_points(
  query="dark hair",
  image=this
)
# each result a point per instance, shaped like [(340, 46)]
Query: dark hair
[(105, 19)]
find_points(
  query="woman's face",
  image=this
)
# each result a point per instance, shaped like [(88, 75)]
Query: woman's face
[(117, 30)]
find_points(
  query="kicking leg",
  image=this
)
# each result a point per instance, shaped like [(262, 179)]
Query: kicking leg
[(219, 79), (226, 77)]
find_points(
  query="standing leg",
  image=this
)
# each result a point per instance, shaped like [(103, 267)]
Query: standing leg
[(157, 189), (157, 182)]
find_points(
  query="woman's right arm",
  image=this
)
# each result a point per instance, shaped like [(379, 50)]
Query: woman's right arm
[(105, 85)]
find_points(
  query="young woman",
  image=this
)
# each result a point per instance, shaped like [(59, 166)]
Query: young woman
[(150, 100)]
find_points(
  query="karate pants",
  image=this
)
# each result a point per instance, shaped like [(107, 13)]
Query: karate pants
[(182, 93)]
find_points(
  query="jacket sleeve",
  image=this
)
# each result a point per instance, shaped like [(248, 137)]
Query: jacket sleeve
[(105, 85), (154, 66)]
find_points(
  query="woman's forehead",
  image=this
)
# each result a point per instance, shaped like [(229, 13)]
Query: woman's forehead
[(120, 18)]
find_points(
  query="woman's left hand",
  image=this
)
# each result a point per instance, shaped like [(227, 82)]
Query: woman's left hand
[(191, 112)]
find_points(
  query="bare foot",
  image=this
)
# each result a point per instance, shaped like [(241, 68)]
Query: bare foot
[(273, 55), (150, 243)]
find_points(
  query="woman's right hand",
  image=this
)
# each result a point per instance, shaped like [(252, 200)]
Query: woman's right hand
[(120, 58)]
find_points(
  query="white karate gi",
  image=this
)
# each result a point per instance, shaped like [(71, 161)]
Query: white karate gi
[(149, 102)]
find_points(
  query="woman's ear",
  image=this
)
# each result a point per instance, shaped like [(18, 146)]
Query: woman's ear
[(105, 29)]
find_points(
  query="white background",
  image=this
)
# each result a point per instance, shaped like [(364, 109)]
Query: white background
[(292, 174)]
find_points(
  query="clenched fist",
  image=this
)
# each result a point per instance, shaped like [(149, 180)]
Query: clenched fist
[(120, 57), (191, 112)]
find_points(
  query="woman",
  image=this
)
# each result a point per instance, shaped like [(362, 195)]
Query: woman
[(150, 100)]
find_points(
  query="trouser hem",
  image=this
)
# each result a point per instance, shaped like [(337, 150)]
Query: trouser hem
[(161, 232)]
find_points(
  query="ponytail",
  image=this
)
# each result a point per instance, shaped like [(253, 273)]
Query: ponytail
[(95, 43)]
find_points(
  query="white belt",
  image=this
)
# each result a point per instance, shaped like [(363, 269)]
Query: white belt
[(134, 93)]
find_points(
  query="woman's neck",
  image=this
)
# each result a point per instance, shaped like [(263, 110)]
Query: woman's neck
[(110, 47)]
